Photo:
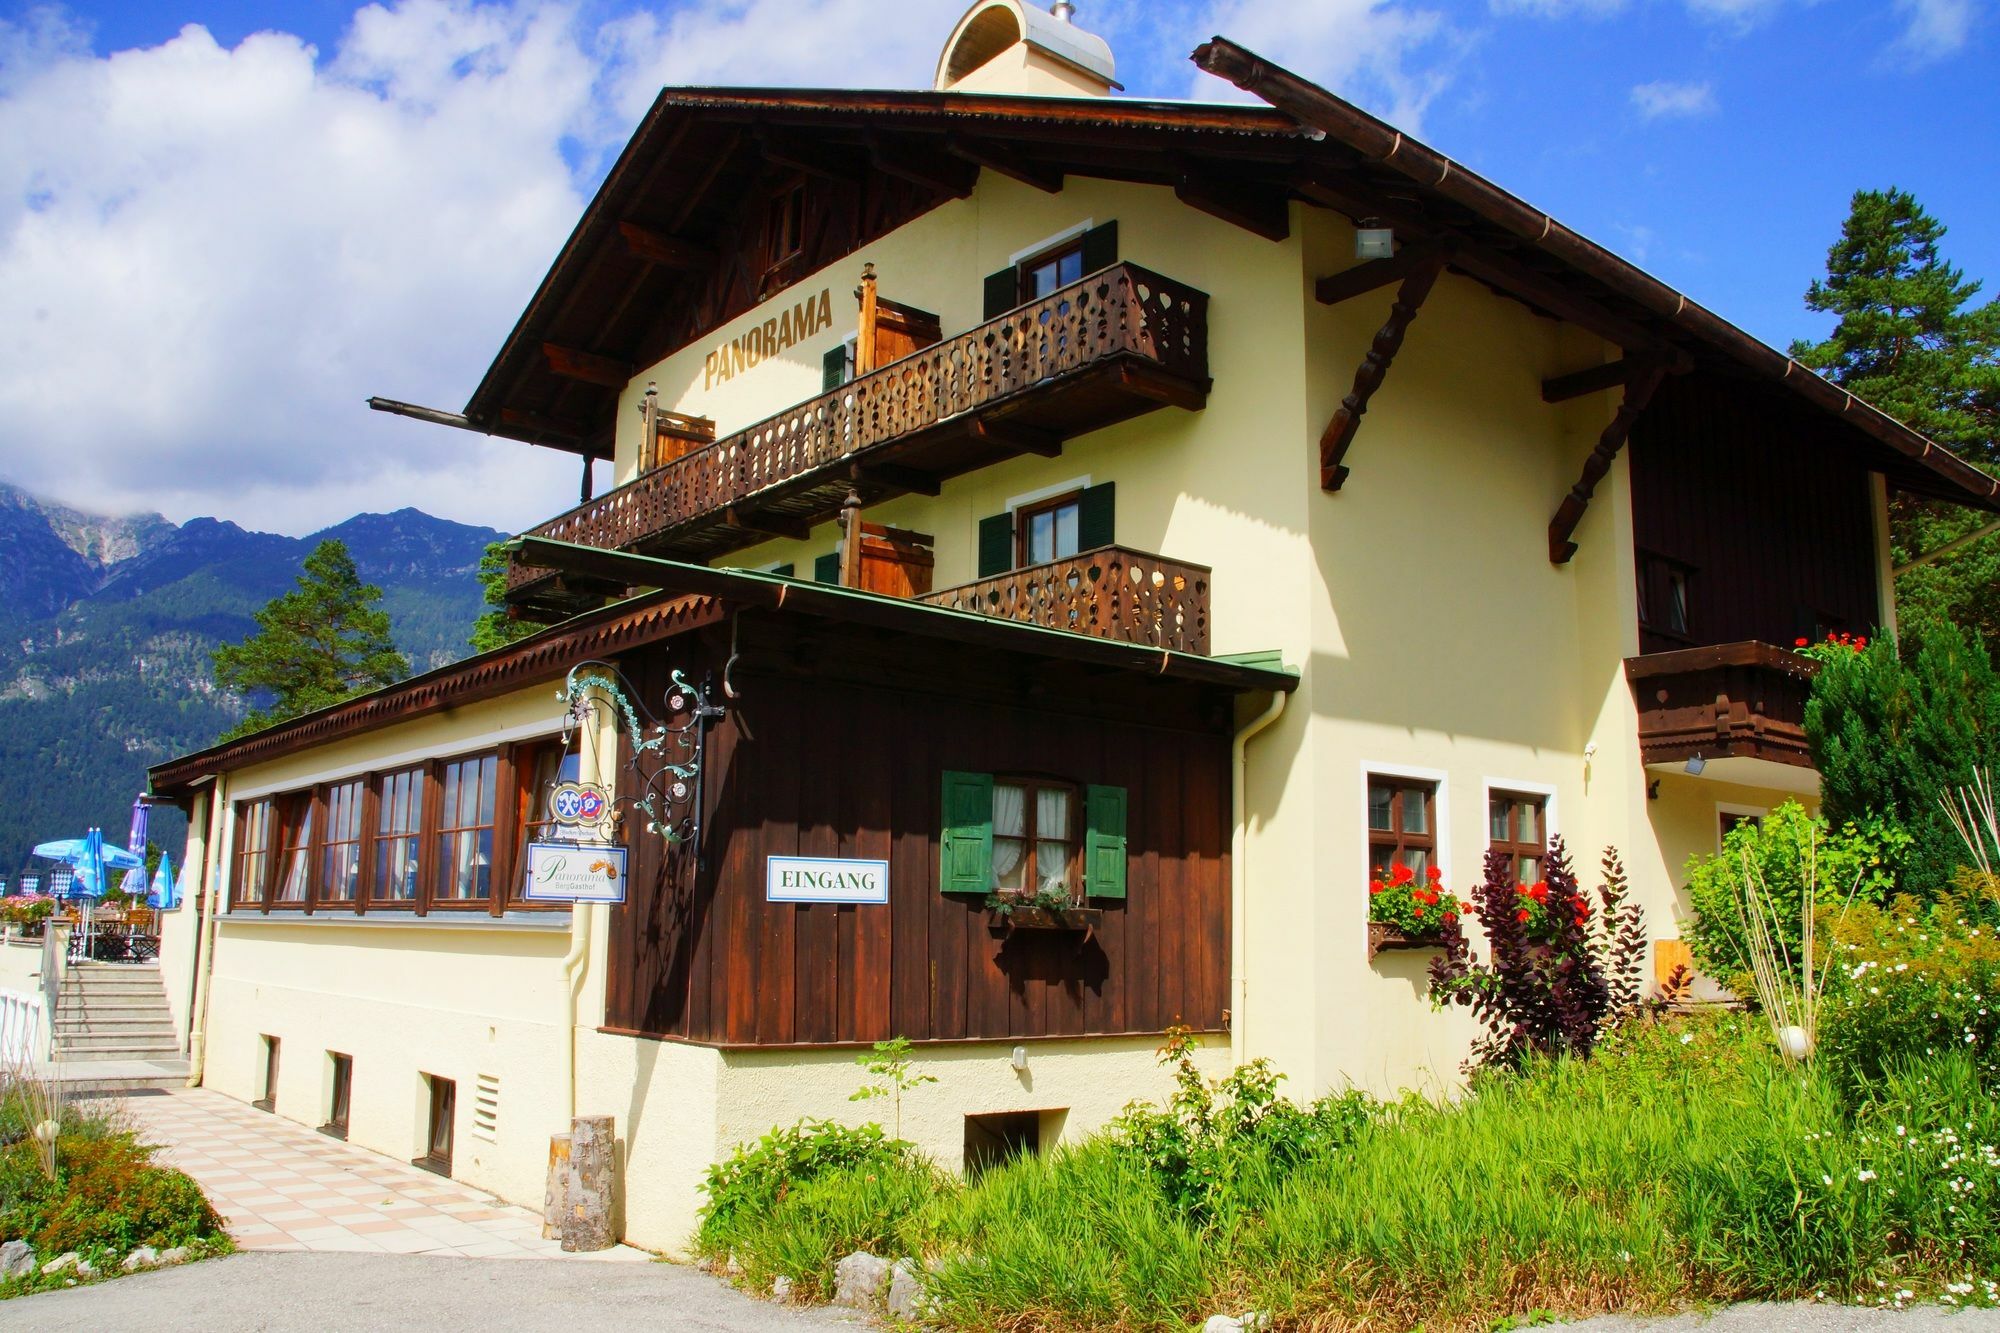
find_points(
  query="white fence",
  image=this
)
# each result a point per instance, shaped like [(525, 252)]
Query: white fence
[(24, 1028)]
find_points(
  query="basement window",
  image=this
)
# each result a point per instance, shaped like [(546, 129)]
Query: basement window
[(998, 1137), (269, 1101), (340, 1077), (443, 1114)]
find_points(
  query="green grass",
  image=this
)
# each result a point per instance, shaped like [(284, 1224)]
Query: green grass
[(1682, 1166)]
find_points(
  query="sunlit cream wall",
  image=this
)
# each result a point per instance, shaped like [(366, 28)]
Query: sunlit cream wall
[(1436, 639), (448, 995)]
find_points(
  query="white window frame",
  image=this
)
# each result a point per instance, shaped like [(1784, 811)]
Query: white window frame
[(1734, 808), (1040, 493), (1069, 233), (1440, 810)]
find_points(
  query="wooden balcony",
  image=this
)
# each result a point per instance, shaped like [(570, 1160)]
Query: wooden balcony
[(1108, 593), (1121, 342), (1730, 700)]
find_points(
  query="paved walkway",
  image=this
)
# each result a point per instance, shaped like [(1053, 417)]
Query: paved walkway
[(281, 1186)]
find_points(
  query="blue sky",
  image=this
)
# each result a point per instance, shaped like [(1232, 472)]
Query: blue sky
[(261, 230)]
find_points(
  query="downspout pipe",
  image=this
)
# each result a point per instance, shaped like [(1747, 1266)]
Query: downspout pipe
[(1239, 837), (572, 974), (214, 857)]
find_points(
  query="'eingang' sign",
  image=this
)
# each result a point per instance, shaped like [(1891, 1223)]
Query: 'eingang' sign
[(824, 879)]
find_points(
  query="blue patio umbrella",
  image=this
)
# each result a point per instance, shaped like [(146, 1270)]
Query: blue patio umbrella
[(166, 892), (90, 858)]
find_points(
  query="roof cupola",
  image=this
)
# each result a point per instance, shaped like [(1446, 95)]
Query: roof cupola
[(1004, 46)]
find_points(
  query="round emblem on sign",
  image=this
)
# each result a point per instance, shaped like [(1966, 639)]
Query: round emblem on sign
[(590, 804), (566, 803)]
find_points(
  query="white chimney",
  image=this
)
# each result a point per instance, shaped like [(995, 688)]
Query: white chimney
[(1005, 46)]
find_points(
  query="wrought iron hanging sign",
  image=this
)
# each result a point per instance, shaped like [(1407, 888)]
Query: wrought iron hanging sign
[(666, 762)]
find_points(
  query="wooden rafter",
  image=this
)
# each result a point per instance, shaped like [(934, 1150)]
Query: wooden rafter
[(812, 159), (590, 367), (658, 248), (1024, 438), (1007, 162), (1367, 276), (952, 177), (1638, 392), (1257, 208), (769, 524), (914, 480), (1368, 377)]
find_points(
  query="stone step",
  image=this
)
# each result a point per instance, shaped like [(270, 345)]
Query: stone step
[(107, 1031), (101, 1075), (106, 1048)]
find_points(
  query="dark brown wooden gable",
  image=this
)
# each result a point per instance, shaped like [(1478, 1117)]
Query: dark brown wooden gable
[(837, 747), (1762, 504)]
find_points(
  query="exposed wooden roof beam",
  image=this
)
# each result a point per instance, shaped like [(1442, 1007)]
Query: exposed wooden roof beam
[(1638, 392), (590, 367), (1370, 274), (999, 158), (735, 516), (717, 162), (1594, 379), (813, 159), (1368, 377), (522, 419), (914, 480), (950, 176), (1257, 208), (1024, 438), (659, 248)]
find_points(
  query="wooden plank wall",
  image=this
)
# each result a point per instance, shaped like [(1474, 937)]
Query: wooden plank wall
[(812, 768), (1771, 514)]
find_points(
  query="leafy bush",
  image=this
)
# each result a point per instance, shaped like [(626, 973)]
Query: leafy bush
[(1911, 981), (1856, 862), (107, 1195), (1892, 728), (1555, 977), (875, 1206), (756, 1179)]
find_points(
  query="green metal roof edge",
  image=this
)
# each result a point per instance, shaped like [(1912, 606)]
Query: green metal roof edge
[(1280, 677), (1261, 659)]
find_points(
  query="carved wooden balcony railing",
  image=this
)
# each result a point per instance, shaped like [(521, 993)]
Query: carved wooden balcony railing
[(1109, 593), (1723, 701), (1118, 343)]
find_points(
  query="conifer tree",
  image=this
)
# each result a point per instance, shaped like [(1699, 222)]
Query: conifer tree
[(1910, 340), (494, 628), (324, 641)]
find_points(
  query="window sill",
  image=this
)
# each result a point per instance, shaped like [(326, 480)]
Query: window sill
[(334, 1131), (437, 1166), (551, 922)]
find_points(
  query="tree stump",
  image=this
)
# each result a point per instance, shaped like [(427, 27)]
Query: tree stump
[(555, 1193), (593, 1146)]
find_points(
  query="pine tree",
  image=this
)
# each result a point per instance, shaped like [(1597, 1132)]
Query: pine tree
[(1910, 340), (325, 641), (495, 629)]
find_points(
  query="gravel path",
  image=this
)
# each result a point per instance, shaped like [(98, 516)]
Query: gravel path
[(314, 1292)]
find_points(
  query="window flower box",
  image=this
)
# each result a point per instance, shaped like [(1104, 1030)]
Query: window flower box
[(1050, 918), (1405, 913), (1382, 936)]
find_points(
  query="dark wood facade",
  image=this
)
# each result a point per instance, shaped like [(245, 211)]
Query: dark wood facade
[(837, 747), (1745, 700), (1752, 519)]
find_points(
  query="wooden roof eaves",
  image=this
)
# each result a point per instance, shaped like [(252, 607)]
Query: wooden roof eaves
[(524, 663), (1435, 176)]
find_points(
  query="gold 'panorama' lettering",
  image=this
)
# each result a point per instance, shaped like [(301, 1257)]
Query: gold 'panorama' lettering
[(773, 336)]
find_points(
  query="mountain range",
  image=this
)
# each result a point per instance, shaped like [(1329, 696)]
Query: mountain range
[(106, 626)]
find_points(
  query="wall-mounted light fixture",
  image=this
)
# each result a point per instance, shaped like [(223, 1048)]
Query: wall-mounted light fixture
[(1020, 1059), (1372, 240), (1695, 765)]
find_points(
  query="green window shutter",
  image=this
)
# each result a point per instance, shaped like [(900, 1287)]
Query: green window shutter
[(1104, 842), (826, 568), (833, 368), (965, 841), (783, 571), (1094, 516), (1100, 247), (1003, 290), (996, 545)]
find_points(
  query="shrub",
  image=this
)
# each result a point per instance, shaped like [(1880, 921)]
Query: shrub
[(1854, 863), (1892, 728), (1556, 976), (1913, 980), (873, 1206), (106, 1195), (756, 1179)]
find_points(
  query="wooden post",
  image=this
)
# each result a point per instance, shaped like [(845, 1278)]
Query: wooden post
[(556, 1192), (649, 430), (864, 338), (850, 540), (593, 1147)]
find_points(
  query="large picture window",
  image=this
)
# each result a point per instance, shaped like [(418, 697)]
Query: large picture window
[(399, 807), (253, 832), (1402, 825), (464, 870), (340, 857)]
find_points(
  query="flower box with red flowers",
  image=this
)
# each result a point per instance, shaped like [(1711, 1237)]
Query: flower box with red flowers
[(1832, 647), (1406, 911)]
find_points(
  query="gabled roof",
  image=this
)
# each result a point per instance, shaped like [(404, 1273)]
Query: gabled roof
[(700, 152)]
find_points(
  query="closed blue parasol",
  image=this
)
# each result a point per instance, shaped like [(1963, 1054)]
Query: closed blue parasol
[(166, 893)]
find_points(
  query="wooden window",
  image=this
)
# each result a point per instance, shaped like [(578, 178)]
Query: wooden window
[(1665, 596), (1036, 277), (341, 1073), (1517, 824), (1402, 824), (339, 878), (1050, 269), (269, 1101), (399, 809), (1728, 821), (538, 768), (463, 869), (785, 225), (1056, 528), (444, 1112), (1023, 836), (1034, 837), (253, 833), (1046, 530), (294, 877)]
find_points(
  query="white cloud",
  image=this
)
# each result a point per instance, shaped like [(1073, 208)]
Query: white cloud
[(1391, 58), (1664, 99), (1933, 30), (1556, 9), (1739, 14)]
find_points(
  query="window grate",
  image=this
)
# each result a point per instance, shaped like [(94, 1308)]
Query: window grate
[(486, 1107)]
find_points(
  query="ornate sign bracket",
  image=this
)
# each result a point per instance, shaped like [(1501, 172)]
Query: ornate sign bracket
[(668, 755)]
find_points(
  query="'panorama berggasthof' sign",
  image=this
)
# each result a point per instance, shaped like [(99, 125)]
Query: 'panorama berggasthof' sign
[(572, 872), (815, 879), (773, 336)]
